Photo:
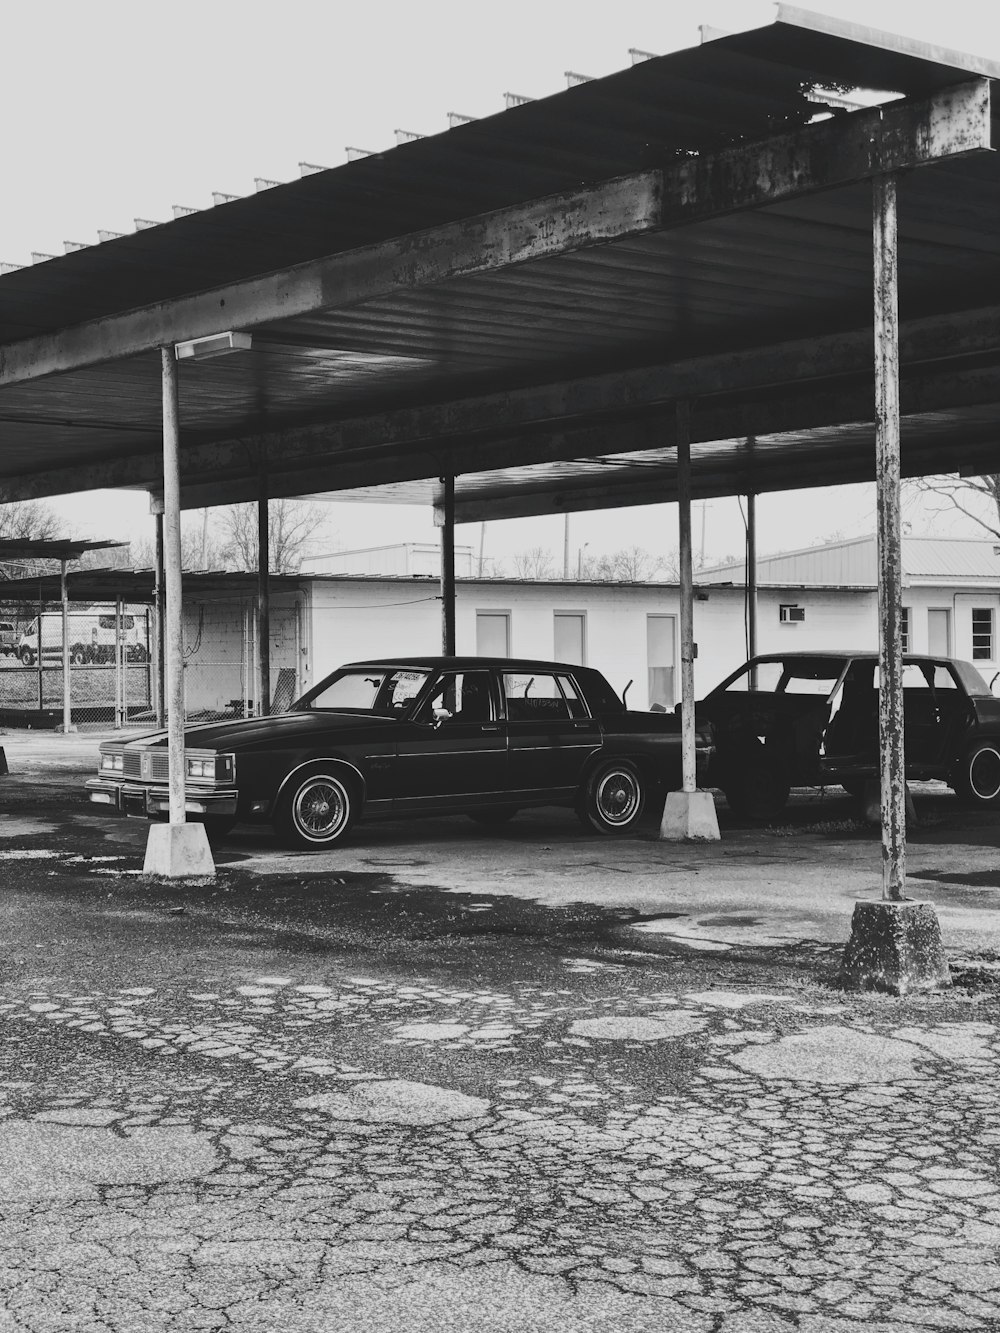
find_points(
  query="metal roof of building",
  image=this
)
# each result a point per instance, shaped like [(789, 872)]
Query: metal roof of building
[(854, 562), (548, 381)]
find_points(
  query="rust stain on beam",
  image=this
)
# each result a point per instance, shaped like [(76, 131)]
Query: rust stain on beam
[(897, 136)]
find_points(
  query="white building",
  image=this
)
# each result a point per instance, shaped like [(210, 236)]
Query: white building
[(951, 592)]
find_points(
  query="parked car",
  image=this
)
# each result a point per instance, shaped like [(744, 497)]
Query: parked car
[(8, 638), (482, 736), (811, 719)]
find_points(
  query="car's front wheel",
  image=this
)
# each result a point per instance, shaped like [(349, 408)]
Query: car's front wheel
[(612, 798), (317, 809), (977, 782), (27, 657)]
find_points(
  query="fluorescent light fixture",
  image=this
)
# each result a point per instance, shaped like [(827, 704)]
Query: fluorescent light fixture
[(217, 344)]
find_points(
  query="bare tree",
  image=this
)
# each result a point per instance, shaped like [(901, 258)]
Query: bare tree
[(977, 498), (534, 564), (290, 524), (29, 520), (630, 565)]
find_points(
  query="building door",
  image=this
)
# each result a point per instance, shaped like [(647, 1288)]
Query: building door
[(939, 632), (570, 637), (493, 634), (661, 641)]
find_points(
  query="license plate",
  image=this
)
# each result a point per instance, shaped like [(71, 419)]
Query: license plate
[(134, 805)]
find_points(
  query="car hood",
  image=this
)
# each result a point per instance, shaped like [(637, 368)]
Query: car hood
[(242, 733)]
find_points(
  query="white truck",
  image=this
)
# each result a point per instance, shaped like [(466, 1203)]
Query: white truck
[(91, 638)]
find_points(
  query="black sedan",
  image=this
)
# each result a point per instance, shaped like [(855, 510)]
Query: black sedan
[(811, 719), (435, 735)]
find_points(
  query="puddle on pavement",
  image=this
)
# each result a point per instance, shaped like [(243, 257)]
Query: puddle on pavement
[(729, 921)]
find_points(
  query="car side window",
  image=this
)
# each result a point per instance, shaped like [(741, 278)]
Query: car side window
[(458, 696), (535, 697)]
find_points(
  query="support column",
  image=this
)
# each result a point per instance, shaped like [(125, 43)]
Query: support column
[(160, 613), (41, 678), (895, 944), (448, 568), (751, 570), (263, 704), (688, 814), (176, 850), (67, 695)]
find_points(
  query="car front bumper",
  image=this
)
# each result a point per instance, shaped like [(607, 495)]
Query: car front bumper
[(134, 798)]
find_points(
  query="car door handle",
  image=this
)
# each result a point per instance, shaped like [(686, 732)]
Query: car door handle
[(491, 727)]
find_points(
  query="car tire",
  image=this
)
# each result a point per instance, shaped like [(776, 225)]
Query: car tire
[(977, 782), (317, 808), (855, 787), (501, 814), (612, 798), (78, 654), (27, 657), (757, 791)]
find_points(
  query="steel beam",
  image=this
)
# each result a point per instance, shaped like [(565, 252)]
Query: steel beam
[(953, 122)]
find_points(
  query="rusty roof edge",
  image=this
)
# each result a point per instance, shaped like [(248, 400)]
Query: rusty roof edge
[(795, 17)]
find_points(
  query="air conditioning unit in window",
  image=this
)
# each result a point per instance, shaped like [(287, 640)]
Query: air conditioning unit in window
[(789, 614)]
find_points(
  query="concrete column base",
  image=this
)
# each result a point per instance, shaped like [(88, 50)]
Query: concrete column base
[(894, 947), (178, 851), (872, 803), (689, 816)]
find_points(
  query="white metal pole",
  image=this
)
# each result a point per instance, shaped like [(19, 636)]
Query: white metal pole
[(689, 770), (174, 647), (67, 697), (887, 474)]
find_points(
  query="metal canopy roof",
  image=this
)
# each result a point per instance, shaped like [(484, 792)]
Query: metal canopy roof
[(416, 312)]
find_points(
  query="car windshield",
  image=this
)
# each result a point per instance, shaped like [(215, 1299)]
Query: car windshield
[(801, 675), (385, 691)]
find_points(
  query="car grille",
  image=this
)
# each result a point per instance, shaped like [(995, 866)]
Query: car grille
[(159, 764)]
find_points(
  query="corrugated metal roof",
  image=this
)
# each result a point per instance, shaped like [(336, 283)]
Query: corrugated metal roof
[(789, 271), (855, 562)]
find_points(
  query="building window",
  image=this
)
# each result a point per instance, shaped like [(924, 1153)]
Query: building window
[(493, 634), (570, 637), (982, 633), (790, 613), (904, 629), (661, 637)]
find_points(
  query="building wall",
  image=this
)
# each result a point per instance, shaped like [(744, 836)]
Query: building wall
[(220, 665), (352, 619), (922, 599)]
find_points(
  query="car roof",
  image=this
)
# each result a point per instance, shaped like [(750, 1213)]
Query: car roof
[(846, 655), (467, 663)]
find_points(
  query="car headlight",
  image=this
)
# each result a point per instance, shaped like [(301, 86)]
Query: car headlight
[(211, 768), (112, 761)]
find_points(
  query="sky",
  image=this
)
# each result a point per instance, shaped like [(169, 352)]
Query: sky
[(119, 109)]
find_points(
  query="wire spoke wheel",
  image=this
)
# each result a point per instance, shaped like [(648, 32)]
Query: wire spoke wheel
[(613, 798), (317, 810), (320, 808)]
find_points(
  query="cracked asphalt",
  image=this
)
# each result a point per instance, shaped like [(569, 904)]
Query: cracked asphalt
[(451, 1079)]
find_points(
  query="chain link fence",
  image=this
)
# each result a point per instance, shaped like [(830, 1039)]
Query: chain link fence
[(111, 665), (114, 662)]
